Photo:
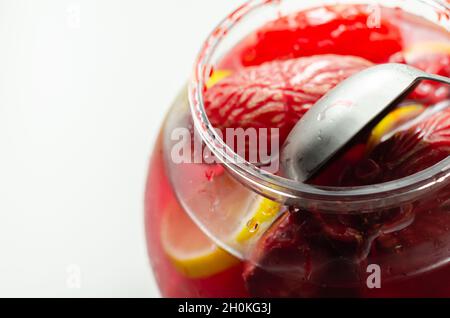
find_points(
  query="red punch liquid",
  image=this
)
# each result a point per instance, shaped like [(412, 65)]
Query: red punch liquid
[(404, 241)]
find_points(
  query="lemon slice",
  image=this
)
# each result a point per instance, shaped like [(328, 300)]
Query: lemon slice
[(191, 252), (194, 254), (259, 219), (216, 77), (423, 48), (393, 120)]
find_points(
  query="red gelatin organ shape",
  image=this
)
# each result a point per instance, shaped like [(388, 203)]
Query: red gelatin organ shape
[(277, 94)]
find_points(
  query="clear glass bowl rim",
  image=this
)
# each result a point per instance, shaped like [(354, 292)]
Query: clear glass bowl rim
[(287, 191)]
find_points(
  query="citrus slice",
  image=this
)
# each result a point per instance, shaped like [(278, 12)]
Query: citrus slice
[(258, 220), (393, 120), (194, 254), (216, 77), (248, 215), (191, 252), (426, 48)]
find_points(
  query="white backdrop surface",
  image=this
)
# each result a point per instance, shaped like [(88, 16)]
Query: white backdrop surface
[(84, 86)]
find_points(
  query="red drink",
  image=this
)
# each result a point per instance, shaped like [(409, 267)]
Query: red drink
[(327, 245)]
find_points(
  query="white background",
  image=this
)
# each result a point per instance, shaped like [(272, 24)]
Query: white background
[(84, 86)]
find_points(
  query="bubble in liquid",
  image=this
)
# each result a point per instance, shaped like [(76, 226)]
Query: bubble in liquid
[(213, 172), (398, 248), (209, 174), (252, 225)]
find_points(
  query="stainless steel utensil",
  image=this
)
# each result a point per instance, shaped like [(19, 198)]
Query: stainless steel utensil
[(344, 112)]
